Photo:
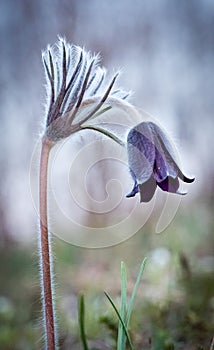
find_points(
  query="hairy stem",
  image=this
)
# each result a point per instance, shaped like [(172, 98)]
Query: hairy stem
[(46, 279)]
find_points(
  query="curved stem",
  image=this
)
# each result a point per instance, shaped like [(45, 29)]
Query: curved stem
[(46, 279)]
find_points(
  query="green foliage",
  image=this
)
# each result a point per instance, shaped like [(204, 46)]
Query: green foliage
[(124, 333), (174, 309), (81, 313), (123, 315), (125, 312)]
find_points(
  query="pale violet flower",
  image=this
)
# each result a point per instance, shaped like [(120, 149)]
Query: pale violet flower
[(152, 162), (77, 89)]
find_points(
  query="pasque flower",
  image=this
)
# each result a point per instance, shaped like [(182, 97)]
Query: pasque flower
[(77, 92), (152, 162), (76, 89)]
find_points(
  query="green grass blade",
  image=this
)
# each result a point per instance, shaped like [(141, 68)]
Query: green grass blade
[(132, 299), (121, 339), (81, 315), (121, 320)]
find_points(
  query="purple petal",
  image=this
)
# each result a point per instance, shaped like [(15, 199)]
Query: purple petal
[(169, 184), (135, 188), (147, 190), (141, 137), (141, 151), (172, 167), (164, 148), (160, 171), (133, 192)]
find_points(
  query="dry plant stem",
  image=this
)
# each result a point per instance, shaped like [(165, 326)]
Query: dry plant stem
[(45, 249)]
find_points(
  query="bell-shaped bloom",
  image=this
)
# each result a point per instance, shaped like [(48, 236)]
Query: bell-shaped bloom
[(152, 162), (76, 89)]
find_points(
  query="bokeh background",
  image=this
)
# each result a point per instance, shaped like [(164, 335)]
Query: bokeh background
[(165, 51)]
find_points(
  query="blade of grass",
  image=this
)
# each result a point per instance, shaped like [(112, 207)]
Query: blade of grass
[(81, 315), (120, 318), (132, 299), (121, 334)]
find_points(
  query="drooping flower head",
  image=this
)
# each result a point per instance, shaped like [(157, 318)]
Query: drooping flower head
[(152, 162), (77, 92), (76, 89)]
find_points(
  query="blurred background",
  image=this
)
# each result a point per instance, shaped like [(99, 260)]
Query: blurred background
[(165, 51)]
